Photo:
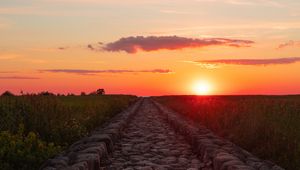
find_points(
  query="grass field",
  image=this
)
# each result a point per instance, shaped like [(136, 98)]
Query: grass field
[(267, 126), (34, 128)]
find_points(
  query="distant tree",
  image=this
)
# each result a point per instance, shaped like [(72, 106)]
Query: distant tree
[(92, 93), (82, 94), (7, 93), (46, 93), (100, 92)]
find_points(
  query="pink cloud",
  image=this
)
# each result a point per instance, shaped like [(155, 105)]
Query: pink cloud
[(92, 72), (153, 43), (289, 44), (273, 61), (19, 77)]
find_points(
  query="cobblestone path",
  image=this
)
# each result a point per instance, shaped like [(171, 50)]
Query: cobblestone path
[(149, 143), (142, 137)]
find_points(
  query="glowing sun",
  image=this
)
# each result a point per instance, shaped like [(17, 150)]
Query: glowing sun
[(202, 88)]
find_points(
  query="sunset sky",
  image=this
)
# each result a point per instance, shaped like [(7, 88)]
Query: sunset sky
[(150, 47)]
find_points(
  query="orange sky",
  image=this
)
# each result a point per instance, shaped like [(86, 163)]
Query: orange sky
[(150, 47)]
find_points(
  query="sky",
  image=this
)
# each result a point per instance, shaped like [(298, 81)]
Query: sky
[(150, 47)]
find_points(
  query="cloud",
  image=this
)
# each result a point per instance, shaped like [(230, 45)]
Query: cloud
[(9, 56), (31, 10), (35, 10), (254, 62), (203, 65), (63, 48), (289, 44), (93, 72), (19, 77), (153, 43), (5, 72), (95, 47), (247, 2), (170, 11), (91, 47)]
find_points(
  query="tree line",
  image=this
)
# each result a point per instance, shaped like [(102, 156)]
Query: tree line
[(47, 93)]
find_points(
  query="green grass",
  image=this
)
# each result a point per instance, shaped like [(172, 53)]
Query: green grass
[(267, 126), (35, 128)]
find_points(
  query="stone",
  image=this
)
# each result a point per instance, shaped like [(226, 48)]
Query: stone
[(100, 150), (239, 167), (277, 168), (183, 161), (129, 168), (264, 167), (175, 153), (145, 168), (103, 138), (79, 166), (136, 158), (92, 160), (221, 158), (228, 164), (166, 152), (162, 167), (169, 160)]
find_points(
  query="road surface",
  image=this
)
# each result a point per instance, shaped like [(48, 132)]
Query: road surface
[(150, 143)]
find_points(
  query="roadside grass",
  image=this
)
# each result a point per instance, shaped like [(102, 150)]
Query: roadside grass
[(267, 126), (35, 128)]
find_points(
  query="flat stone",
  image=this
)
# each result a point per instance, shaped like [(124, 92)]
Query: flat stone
[(169, 160), (128, 168), (166, 152), (145, 168), (175, 153), (136, 158)]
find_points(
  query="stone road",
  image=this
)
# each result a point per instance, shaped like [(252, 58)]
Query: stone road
[(147, 136), (150, 143)]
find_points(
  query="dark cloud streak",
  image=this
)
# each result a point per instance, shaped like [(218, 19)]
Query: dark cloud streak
[(5, 72), (153, 43), (289, 44), (63, 48), (273, 61), (92, 72), (19, 77)]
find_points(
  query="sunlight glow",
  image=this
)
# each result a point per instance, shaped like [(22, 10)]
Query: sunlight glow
[(202, 88)]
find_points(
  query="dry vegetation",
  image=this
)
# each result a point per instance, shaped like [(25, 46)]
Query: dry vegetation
[(268, 126), (34, 128)]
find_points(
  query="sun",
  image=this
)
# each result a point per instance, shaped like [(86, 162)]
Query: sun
[(202, 88)]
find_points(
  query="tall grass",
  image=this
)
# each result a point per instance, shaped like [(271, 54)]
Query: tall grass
[(34, 128), (268, 126)]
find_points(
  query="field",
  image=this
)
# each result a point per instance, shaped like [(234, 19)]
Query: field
[(267, 126), (35, 128)]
